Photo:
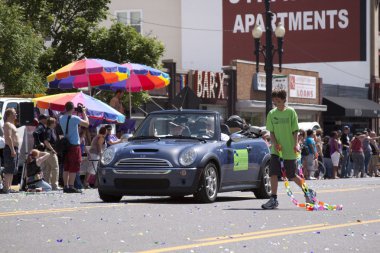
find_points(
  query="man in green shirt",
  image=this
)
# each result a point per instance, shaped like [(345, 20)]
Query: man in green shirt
[(282, 122)]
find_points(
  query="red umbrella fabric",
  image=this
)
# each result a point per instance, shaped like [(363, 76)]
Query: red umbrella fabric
[(87, 73), (141, 78)]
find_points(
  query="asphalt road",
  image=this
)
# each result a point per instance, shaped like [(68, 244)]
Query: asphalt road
[(57, 222)]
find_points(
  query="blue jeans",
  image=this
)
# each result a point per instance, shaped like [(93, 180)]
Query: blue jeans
[(41, 184), (329, 166), (345, 172), (358, 163), (78, 182), (367, 159)]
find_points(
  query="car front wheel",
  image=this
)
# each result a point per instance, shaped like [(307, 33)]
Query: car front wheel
[(109, 198), (265, 189), (208, 185)]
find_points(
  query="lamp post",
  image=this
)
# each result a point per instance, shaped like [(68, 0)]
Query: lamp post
[(268, 50)]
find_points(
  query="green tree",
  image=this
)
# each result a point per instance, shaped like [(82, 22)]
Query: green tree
[(121, 43), (67, 23), (20, 49)]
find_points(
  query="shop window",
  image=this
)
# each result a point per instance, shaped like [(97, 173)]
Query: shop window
[(131, 17), (253, 118)]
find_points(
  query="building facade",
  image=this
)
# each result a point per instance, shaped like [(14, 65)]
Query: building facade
[(338, 40)]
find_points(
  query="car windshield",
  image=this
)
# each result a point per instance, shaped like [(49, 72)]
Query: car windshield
[(181, 125)]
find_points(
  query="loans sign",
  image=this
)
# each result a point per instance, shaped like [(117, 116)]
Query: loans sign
[(302, 86), (316, 31)]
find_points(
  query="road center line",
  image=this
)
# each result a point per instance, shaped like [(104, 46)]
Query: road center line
[(260, 236), (58, 210), (261, 232)]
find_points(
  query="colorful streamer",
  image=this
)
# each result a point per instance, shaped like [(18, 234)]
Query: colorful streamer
[(316, 205)]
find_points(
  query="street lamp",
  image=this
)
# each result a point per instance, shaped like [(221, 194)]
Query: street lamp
[(268, 51)]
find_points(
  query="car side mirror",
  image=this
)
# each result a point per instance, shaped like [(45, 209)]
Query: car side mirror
[(237, 137)]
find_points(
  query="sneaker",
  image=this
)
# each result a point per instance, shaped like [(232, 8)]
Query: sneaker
[(71, 190), (312, 194), (271, 204), (3, 191)]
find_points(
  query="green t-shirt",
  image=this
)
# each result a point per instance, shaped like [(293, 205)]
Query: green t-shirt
[(283, 124)]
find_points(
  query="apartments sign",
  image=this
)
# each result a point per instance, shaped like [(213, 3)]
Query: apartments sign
[(316, 31)]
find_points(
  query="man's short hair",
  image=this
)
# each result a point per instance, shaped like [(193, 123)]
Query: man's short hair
[(8, 112), (279, 93), (108, 127), (309, 132), (103, 130), (42, 116), (118, 91), (50, 121), (69, 106)]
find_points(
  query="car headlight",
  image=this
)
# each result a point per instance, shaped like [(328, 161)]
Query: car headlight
[(187, 157), (108, 156)]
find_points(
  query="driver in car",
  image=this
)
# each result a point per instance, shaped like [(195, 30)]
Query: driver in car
[(177, 127)]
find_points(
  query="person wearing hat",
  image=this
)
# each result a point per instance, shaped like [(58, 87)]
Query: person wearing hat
[(39, 133)]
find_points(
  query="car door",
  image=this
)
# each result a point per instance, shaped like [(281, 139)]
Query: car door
[(239, 168)]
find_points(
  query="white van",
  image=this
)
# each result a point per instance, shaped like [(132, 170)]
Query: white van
[(309, 125), (10, 102)]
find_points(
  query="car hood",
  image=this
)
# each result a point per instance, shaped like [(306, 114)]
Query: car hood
[(161, 149)]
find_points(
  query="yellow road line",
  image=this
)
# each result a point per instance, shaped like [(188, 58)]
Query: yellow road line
[(324, 191), (260, 232), (58, 210), (343, 190), (261, 236)]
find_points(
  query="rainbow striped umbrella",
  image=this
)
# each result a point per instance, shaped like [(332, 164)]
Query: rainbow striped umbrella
[(87, 73), (141, 78), (96, 109)]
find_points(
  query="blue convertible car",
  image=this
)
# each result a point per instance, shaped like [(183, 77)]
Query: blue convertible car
[(183, 152)]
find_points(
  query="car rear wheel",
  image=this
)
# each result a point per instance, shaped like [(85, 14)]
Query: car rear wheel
[(109, 198), (208, 185), (265, 189)]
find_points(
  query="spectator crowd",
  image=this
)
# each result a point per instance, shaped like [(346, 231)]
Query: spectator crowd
[(341, 153), (47, 168)]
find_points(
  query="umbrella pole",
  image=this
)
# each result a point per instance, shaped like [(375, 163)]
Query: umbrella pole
[(89, 88), (130, 103)]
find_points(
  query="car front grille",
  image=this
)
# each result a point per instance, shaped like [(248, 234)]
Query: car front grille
[(143, 163), (141, 184)]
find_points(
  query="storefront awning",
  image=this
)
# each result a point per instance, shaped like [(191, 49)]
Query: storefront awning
[(259, 106), (352, 107)]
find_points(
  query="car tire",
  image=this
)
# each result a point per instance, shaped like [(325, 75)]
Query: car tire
[(208, 185), (265, 188), (109, 198)]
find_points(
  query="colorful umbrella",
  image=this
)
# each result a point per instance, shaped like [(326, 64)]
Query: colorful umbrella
[(87, 73), (141, 78), (96, 109)]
